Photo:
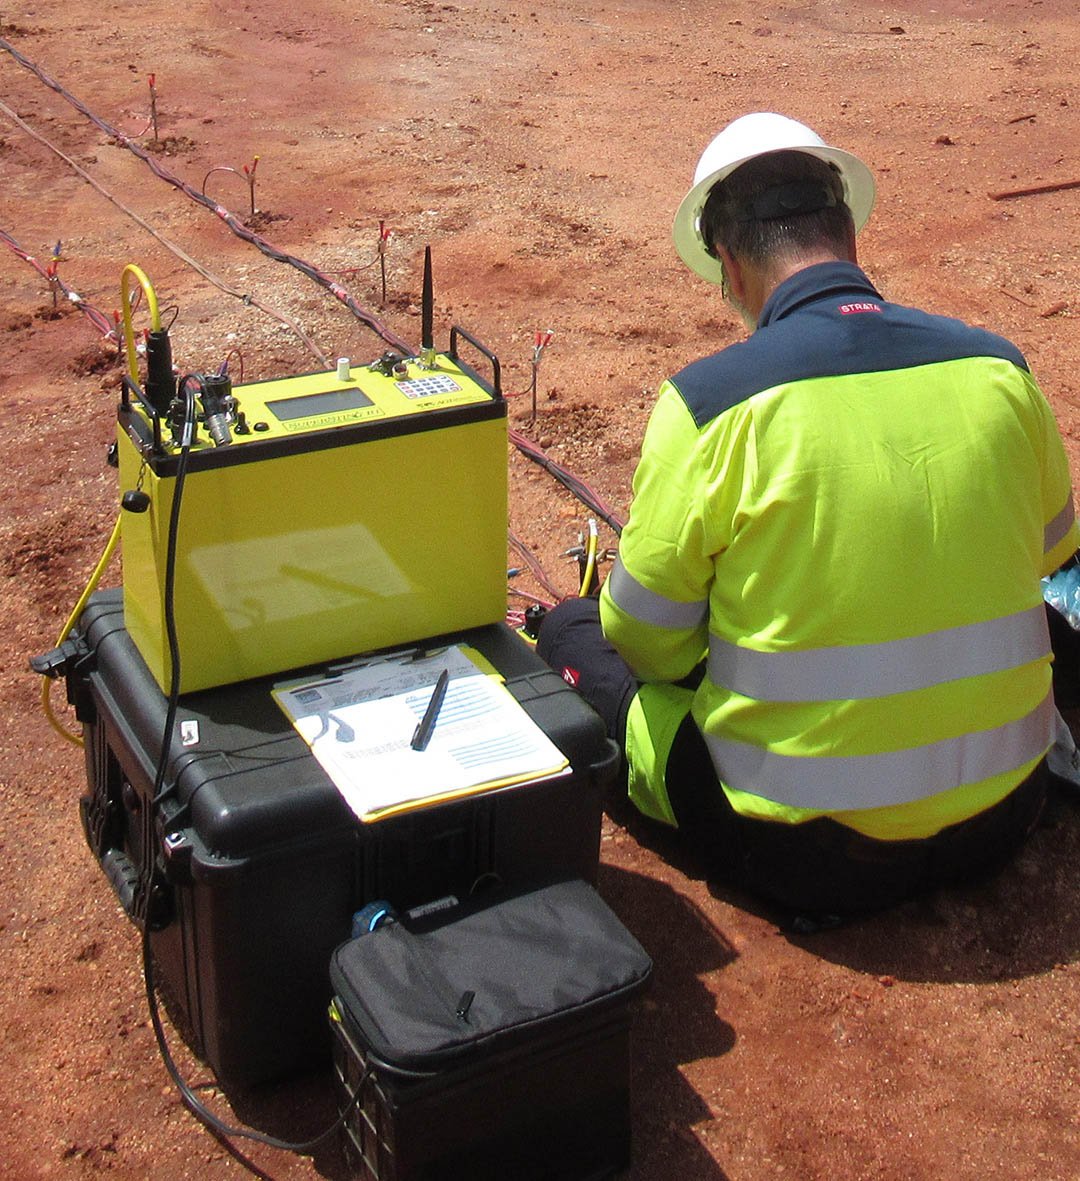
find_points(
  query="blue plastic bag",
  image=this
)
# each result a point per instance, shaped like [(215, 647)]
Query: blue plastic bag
[(1062, 591)]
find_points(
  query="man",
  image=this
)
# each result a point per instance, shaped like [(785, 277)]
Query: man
[(824, 643)]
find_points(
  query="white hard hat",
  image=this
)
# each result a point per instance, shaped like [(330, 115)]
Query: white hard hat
[(747, 137)]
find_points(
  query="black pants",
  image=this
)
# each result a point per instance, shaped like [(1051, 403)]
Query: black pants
[(819, 866)]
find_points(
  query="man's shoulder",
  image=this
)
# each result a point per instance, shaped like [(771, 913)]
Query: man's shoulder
[(825, 341), (950, 338), (719, 382)]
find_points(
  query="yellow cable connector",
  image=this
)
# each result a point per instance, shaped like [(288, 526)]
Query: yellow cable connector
[(590, 560), (125, 304), (91, 586)]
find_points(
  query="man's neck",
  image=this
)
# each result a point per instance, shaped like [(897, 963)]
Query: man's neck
[(761, 283)]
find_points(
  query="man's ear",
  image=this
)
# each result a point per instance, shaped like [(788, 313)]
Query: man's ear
[(733, 273), (852, 252)]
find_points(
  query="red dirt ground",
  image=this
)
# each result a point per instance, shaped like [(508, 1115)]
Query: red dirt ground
[(541, 151)]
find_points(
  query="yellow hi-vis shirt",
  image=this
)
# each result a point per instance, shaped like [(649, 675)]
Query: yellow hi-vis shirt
[(845, 517)]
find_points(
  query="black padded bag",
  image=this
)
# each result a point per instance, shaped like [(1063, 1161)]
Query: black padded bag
[(430, 994)]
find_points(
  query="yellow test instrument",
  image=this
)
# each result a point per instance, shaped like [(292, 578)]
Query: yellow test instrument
[(322, 515)]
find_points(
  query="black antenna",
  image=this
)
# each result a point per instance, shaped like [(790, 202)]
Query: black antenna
[(427, 315)]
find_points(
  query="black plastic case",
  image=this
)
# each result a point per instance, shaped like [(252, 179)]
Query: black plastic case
[(490, 1040), (558, 1111), (265, 864)]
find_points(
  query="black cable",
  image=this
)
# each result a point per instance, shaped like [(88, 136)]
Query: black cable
[(151, 871), (186, 436), (199, 1109), (587, 495)]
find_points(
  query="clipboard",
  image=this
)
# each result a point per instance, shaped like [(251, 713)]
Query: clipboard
[(359, 721)]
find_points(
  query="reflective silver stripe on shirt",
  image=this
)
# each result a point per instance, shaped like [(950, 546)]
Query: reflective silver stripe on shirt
[(877, 670), (872, 781), (647, 606), (1059, 526)]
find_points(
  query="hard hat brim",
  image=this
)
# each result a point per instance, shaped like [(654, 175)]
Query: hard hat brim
[(859, 190)]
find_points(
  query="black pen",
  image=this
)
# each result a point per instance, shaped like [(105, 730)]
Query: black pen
[(422, 734)]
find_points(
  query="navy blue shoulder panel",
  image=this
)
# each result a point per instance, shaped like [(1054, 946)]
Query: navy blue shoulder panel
[(840, 333)]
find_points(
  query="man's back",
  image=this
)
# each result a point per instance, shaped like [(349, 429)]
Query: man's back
[(864, 492)]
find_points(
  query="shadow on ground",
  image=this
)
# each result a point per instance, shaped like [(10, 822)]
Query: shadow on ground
[(1021, 921)]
